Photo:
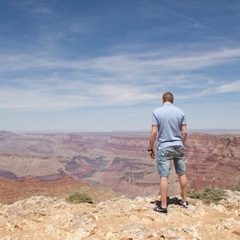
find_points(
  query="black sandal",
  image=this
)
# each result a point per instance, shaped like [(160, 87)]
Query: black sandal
[(160, 210)]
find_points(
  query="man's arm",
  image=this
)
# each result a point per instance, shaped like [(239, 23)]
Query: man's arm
[(184, 133), (152, 138)]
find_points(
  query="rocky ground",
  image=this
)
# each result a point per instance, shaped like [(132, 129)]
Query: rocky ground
[(119, 218)]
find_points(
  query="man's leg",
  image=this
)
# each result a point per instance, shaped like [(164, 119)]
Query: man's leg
[(183, 185), (163, 163), (163, 191), (180, 167)]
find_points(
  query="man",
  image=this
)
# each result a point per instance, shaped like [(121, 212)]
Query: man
[(169, 126)]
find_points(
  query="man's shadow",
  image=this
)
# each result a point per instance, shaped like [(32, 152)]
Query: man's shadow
[(173, 200)]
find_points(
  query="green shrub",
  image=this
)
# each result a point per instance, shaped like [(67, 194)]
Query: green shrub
[(236, 185), (212, 195), (207, 195), (194, 193), (77, 197)]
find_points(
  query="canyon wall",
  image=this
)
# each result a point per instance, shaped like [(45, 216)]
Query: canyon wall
[(213, 159), (117, 161)]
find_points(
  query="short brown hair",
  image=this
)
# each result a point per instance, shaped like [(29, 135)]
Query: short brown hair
[(168, 97)]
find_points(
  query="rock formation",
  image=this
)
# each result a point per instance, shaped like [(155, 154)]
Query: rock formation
[(213, 160), (117, 161), (14, 190), (38, 218)]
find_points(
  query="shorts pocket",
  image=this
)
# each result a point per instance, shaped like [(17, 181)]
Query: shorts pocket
[(180, 150)]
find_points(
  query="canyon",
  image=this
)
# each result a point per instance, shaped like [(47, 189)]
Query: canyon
[(116, 161)]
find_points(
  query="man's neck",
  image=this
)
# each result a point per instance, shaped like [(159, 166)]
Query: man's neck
[(167, 103)]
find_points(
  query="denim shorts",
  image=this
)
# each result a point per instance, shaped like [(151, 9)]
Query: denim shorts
[(164, 157)]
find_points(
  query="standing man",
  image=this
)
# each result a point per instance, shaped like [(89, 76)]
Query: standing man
[(170, 128)]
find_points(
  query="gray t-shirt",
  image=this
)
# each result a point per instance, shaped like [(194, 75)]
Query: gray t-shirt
[(169, 120)]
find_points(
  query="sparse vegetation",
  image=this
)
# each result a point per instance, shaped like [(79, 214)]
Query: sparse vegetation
[(194, 193), (236, 185), (78, 197), (207, 195)]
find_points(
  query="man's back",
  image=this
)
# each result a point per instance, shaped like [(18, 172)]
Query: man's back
[(169, 120)]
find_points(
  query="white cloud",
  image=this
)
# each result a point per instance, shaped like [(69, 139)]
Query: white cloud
[(41, 10), (198, 60), (123, 94), (38, 100), (124, 63), (47, 83), (230, 87)]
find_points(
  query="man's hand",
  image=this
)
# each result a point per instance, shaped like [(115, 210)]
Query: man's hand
[(152, 154)]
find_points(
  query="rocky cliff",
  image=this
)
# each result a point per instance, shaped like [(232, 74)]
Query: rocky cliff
[(213, 159), (117, 161), (40, 218), (14, 190)]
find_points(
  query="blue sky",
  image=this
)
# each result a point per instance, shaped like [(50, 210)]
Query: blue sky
[(84, 65)]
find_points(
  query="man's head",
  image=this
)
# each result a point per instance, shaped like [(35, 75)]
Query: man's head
[(167, 97)]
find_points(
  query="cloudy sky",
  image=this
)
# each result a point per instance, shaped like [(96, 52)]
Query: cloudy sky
[(103, 65)]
